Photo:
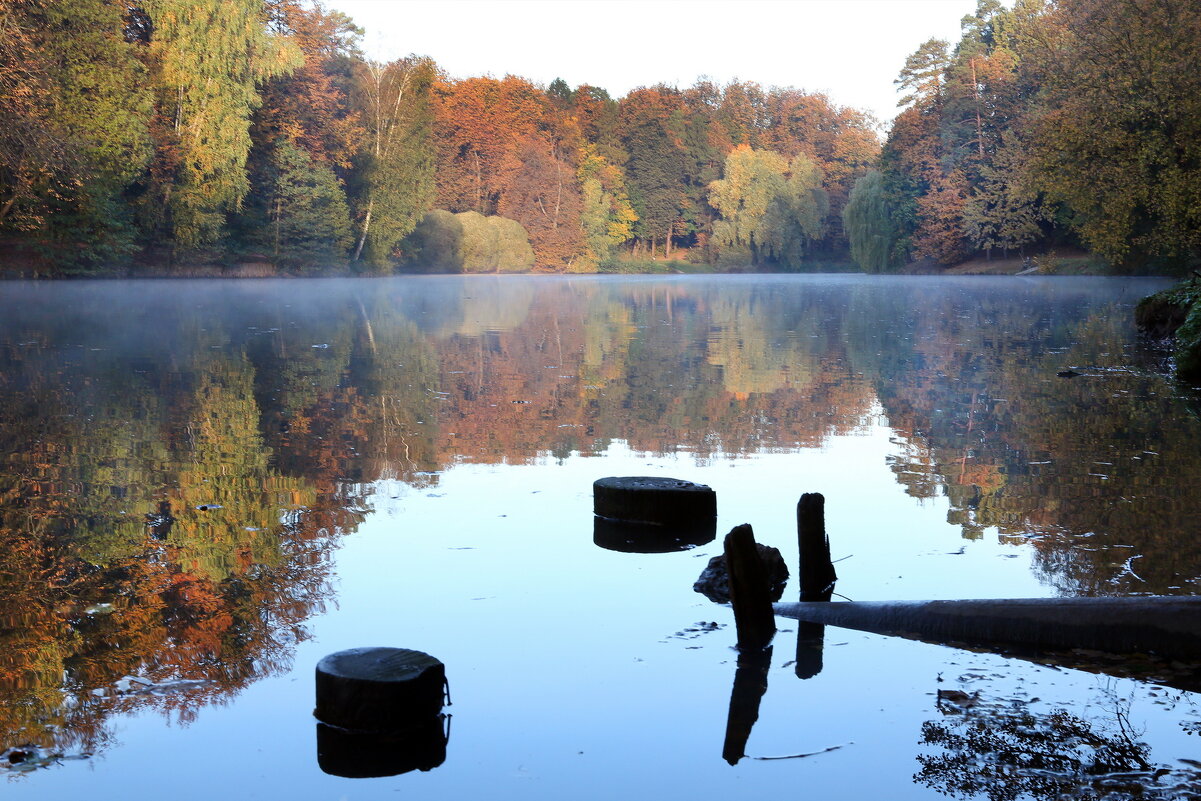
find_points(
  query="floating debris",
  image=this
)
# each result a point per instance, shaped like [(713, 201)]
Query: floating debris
[(825, 750), (29, 757), (136, 685), (697, 629)]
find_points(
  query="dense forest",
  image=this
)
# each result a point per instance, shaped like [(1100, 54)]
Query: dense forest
[(254, 134)]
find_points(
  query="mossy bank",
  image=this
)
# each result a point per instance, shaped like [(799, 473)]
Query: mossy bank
[(1176, 312)]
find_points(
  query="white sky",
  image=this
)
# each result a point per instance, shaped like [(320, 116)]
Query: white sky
[(852, 50)]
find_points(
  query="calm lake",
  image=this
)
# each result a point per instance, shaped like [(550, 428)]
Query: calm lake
[(207, 486)]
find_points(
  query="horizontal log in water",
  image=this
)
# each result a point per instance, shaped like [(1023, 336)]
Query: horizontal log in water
[(1166, 626)]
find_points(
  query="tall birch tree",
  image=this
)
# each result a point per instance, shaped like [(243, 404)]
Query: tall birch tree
[(396, 165)]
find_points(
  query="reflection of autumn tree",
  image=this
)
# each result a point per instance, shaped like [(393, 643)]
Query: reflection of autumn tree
[(276, 413), (1078, 464), (658, 366), (608, 330), (395, 373), (349, 399), (1098, 451), (60, 521), (144, 532), (504, 392), (1006, 751), (226, 494), (492, 306), (758, 351)]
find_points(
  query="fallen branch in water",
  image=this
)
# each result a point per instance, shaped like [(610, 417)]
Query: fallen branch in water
[(1164, 625), (802, 756)]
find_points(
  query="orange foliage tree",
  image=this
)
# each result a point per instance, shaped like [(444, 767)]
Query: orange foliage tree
[(502, 149)]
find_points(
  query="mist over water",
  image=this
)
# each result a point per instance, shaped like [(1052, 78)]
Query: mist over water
[(207, 486)]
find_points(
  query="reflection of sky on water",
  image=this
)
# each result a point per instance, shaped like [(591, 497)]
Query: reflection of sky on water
[(578, 672), (568, 669)]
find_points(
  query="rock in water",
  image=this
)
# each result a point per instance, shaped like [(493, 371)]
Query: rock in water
[(714, 581)]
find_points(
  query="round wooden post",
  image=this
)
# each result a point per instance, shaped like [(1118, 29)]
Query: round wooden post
[(816, 570), (379, 689), (653, 499), (750, 594)]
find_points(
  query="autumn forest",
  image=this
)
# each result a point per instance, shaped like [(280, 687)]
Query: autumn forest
[(255, 135)]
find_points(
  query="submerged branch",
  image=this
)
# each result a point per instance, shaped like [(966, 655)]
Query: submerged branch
[(825, 750)]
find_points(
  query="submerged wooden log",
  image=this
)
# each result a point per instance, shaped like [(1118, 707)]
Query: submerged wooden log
[(1168, 627), (750, 593), (656, 500), (379, 689)]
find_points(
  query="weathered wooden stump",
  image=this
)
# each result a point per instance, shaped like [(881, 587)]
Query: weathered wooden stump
[(379, 689), (817, 579), (658, 501), (816, 571), (750, 593)]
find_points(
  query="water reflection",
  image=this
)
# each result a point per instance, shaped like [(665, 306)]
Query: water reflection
[(1004, 749), (370, 754), (627, 537), (810, 649), (178, 459), (750, 684)]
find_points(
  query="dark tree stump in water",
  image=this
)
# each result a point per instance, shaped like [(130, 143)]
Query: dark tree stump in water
[(379, 689), (816, 570), (647, 499), (750, 595)]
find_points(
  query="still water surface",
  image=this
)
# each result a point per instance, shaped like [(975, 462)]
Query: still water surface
[(205, 487)]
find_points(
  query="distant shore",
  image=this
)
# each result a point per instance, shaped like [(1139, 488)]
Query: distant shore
[(25, 266)]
